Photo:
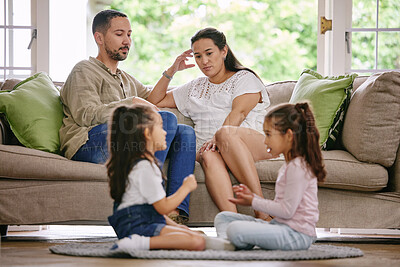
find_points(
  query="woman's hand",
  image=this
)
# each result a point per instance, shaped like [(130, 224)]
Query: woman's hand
[(244, 196), (180, 63), (209, 145)]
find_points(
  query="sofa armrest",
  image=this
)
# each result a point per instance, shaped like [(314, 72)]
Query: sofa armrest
[(394, 174)]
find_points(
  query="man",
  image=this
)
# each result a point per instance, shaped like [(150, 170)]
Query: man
[(96, 86)]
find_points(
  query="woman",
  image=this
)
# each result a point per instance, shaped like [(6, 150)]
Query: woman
[(230, 96)]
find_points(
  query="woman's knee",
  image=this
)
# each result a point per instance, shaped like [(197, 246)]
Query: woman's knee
[(223, 133), (225, 136)]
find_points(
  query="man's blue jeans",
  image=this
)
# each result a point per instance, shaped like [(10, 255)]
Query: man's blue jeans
[(181, 151)]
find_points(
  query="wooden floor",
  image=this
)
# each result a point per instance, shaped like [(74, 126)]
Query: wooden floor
[(31, 249)]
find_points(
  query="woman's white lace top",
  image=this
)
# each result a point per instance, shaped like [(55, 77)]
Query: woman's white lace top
[(208, 104)]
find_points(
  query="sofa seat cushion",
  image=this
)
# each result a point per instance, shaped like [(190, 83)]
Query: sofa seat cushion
[(344, 172), (25, 163)]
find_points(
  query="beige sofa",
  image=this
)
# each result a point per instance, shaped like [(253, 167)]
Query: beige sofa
[(362, 189)]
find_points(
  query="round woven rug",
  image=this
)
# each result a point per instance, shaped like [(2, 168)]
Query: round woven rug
[(315, 252)]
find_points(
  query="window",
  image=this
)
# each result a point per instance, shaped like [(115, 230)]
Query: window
[(16, 37), (375, 35), (59, 37), (364, 36)]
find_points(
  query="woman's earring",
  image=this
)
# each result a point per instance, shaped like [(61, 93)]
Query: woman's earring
[(224, 58)]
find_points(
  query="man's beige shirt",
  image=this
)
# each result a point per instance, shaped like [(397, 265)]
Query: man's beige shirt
[(89, 95)]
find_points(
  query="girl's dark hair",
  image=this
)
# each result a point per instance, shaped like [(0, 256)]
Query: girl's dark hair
[(231, 62), (127, 144), (300, 119)]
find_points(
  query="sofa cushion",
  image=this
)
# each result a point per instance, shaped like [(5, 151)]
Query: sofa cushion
[(343, 172), (371, 129), (358, 81), (9, 84), (329, 98), (34, 112), (280, 92), (18, 162)]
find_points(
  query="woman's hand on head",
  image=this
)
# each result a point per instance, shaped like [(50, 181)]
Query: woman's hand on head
[(180, 62)]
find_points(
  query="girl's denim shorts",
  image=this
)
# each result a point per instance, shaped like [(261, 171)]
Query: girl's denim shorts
[(137, 219)]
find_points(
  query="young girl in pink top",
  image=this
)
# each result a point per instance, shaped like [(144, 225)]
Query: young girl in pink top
[(290, 130)]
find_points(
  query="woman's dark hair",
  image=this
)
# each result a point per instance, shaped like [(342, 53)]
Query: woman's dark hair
[(101, 22), (231, 62), (300, 119), (127, 144)]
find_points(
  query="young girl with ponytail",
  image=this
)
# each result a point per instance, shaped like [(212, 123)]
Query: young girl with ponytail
[(290, 130), (136, 185)]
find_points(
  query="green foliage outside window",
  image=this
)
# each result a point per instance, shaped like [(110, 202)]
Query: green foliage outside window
[(277, 39), (364, 43)]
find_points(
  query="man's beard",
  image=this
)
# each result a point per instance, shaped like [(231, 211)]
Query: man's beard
[(116, 55)]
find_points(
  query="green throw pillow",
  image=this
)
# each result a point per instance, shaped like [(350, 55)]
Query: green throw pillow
[(329, 98), (34, 112)]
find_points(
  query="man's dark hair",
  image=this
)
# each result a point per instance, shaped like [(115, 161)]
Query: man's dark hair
[(101, 21)]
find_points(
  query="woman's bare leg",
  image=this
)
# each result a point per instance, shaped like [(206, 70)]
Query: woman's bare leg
[(240, 148), (172, 237), (217, 180)]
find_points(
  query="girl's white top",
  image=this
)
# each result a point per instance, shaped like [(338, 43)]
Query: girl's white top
[(144, 186), (208, 104), (296, 200)]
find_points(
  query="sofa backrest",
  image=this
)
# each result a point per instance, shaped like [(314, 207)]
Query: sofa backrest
[(280, 92)]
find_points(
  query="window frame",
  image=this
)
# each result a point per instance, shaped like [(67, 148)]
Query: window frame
[(334, 54), (376, 30), (40, 24)]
